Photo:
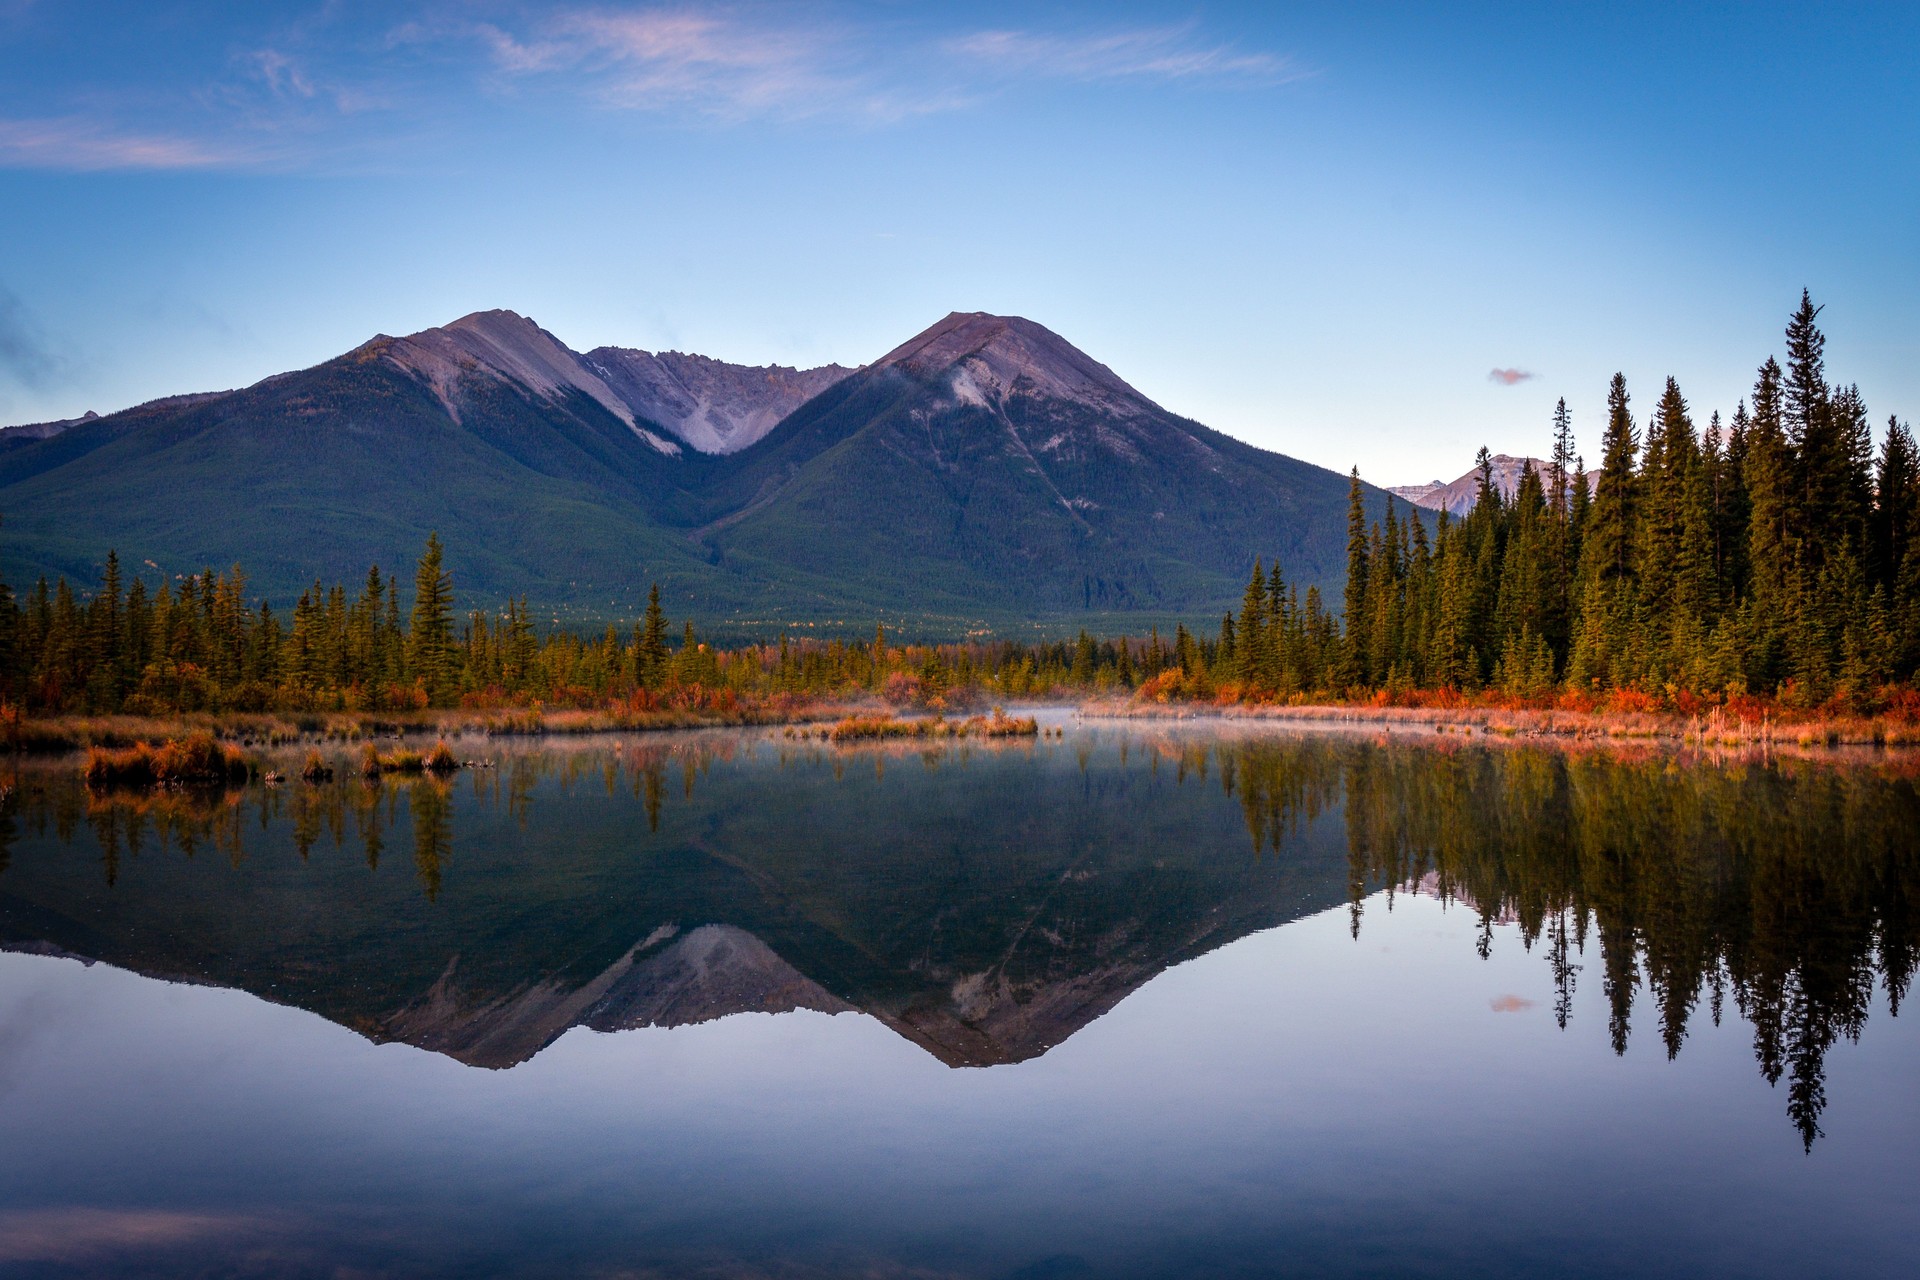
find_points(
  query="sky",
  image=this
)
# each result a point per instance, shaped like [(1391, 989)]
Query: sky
[(1365, 235)]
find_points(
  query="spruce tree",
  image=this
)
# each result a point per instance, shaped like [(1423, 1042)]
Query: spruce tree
[(430, 651), (1612, 519), (1896, 511), (653, 642), (1255, 636), (1353, 668)]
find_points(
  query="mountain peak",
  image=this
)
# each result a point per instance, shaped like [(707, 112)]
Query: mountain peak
[(987, 358), (506, 346)]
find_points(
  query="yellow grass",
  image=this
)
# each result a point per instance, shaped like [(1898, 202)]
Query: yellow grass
[(196, 760)]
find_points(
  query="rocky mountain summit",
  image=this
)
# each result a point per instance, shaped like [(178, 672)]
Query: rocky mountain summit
[(708, 404), (669, 400)]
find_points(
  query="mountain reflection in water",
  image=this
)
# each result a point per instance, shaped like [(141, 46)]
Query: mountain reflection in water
[(984, 901)]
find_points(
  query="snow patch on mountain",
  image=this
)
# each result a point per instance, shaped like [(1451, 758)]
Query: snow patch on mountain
[(711, 405)]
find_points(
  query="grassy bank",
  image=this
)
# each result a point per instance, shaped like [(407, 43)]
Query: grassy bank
[(1718, 726), (250, 730)]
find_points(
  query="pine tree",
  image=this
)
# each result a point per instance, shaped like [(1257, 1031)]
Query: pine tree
[(1611, 522), (653, 642), (430, 648), (1896, 512), (1560, 466), (1354, 665)]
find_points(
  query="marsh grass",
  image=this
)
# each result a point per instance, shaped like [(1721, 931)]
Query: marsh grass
[(996, 725), (316, 768), (195, 760)]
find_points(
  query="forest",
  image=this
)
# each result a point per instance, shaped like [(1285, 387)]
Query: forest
[(1770, 554), (1768, 557)]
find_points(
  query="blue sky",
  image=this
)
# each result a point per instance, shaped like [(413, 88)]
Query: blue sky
[(1318, 227)]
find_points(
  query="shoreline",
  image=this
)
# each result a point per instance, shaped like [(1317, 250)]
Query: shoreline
[(1715, 729), (55, 736)]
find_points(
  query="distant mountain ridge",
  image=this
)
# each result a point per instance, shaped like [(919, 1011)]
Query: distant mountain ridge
[(985, 473), (1458, 497)]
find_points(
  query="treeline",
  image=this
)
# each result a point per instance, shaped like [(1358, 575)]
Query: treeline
[(201, 644), (1770, 554)]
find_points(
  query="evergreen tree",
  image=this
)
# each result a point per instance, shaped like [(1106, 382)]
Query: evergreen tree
[(430, 647), (1354, 665), (1896, 512), (653, 642)]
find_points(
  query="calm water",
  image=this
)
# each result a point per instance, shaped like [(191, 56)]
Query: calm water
[(1135, 1002)]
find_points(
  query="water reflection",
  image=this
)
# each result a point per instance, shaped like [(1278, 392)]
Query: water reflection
[(989, 902)]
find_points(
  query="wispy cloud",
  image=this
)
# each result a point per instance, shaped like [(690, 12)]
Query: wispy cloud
[(1142, 53), (280, 72), (86, 145), (1510, 377), (717, 63), (742, 64), (328, 88)]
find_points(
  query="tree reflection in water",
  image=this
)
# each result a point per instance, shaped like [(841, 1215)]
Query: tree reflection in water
[(1787, 884)]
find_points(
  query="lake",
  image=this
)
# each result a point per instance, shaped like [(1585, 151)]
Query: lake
[(1145, 999)]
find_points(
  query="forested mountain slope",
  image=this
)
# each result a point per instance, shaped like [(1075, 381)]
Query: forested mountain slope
[(984, 473), (987, 463)]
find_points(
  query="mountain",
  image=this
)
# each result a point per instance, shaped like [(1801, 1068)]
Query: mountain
[(989, 466), (985, 473), (711, 405), (1459, 496), (501, 348), (486, 430)]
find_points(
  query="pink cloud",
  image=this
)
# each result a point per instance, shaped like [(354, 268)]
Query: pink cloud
[(83, 145), (1510, 377), (1509, 1004)]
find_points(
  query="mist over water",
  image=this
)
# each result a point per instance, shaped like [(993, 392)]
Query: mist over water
[(1138, 1001)]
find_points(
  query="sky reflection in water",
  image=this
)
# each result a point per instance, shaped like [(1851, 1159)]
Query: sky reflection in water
[(1172, 1085)]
